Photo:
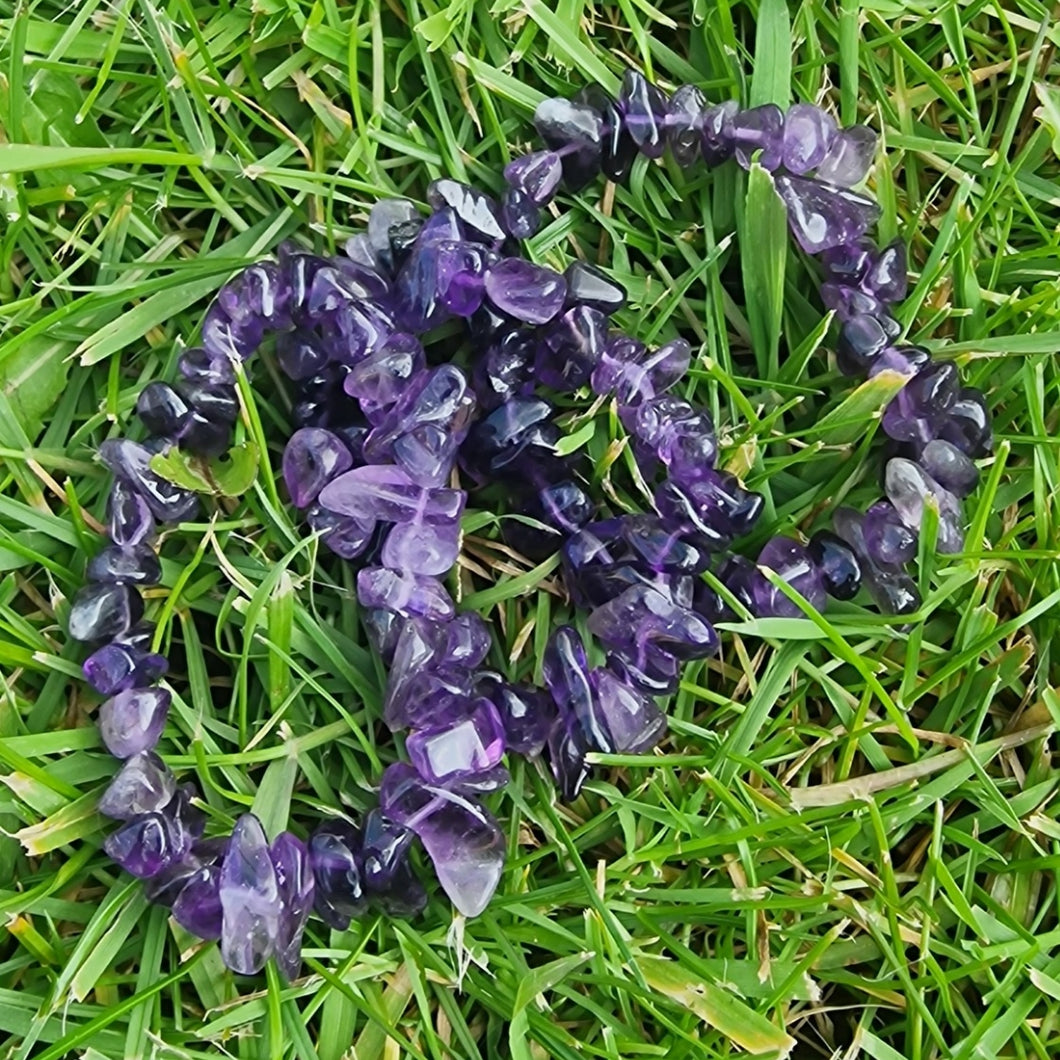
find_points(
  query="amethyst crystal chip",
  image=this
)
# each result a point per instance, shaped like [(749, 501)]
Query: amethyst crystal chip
[(116, 667), (967, 424), (476, 210), (527, 713), (794, 564), (823, 217), (575, 131), (311, 459), (574, 343), (388, 493), (422, 548), (197, 907), (101, 610), (536, 175), (643, 107), (910, 489), (388, 875), (133, 720), (250, 899), (949, 467), (454, 748), (849, 157), (718, 141), (588, 285), (838, 564), (893, 591), (144, 784), (684, 124), (129, 565), (162, 410), (146, 844), (890, 542), (129, 519), (524, 290), (131, 463), (759, 131), (296, 886), (567, 748), (808, 134), (408, 594), (621, 719), (334, 859)]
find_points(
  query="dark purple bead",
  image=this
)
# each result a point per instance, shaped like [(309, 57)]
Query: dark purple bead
[(861, 341), (905, 360), (129, 519), (385, 215), (476, 210), (300, 355), (849, 157), (967, 424), (808, 134), (893, 591), (506, 368), (618, 151), (144, 784), (889, 541), (116, 667), (100, 611), (910, 489), (565, 505), (200, 366), (623, 720), (566, 671), (381, 378), (205, 437), (132, 721), (718, 142), (146, 844), (660, 547), (838, 563), (567, 748), (573, 345), (169, 503), (520, 217), (684, 124), (888, 277), (388, 876), (591, 286), (576, 132), (823, 217), (654, 670), (197, 908), (643, 107), (454, 748), (132, 565), (217, 402), (536, 175), (525, 291), (347, 536), (296, 886), (496, 441), (311, 459), (162, 410), (527, 713), (759, 132), (849, 263)]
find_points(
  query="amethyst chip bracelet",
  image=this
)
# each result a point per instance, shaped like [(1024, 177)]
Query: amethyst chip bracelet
[(383, 429)]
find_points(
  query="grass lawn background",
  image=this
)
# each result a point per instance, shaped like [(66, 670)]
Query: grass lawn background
[(714, 896)]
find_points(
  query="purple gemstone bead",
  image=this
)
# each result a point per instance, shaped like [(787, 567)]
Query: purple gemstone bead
[(457, 748), (467, 639), (574, 344), (197, 907), (949, 467), (910, 488), (622, 720), (101, 610), (335, 862), (347, 536), (520, 217), (575, 131), (422, 548), (808, 134), (144, 784), (889, 541), (525, 291), (380, 379), (893, 591), (387, 493), (760, 129), (408, 594), (129, 519), (567, 748), (861, 341), (684, 124), (793, 563), (147, 844), (643, 107), (296, 886), (117, 667), (388, 876), (536, 175), (311, 459), (200, 366), (718, 135), (642, 617), (821, 217), (838, 564), (127, 565), (527, 713), (250, 899), (905, 360), (476, 210), (566, 671), (849, 157), (590, 286), (385, 215), (300, 354), (131, 463), (133, 720), (681, 436), (888, 277), (162, 410), (967, 424)]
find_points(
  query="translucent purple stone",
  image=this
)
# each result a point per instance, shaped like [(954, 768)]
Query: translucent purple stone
[(197, 908), (905, 360), (527, 713), (566, 671), (346, 536), (521, 219), (296, 886), (388, 876), (454, 749), (476, 210), (893, 591), (422, 548), (967, 424), (116, 667), (103, 610), (407, 594), (131, 463), (129, 519), (849, 157), (590, 286), (838, 564), (162, 410), (312, 458), (574, 343), (133, 720), (808, 134), (910, 489), (387, 493), (718, 135), (949, 467), (147, 844), (621, 720), (536, 175), (144, 784), (759, 132), (127, 565), (890, 542), (643, 107), (888, 276), (684, 124), (525, 291), (250, 899), (567, 748), (821, 217), (575, 131), (794, 564)]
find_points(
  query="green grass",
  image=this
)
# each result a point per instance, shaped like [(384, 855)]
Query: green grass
[(849, 837)]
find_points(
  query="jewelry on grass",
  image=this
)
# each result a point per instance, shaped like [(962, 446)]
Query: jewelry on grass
[(381, 428)]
